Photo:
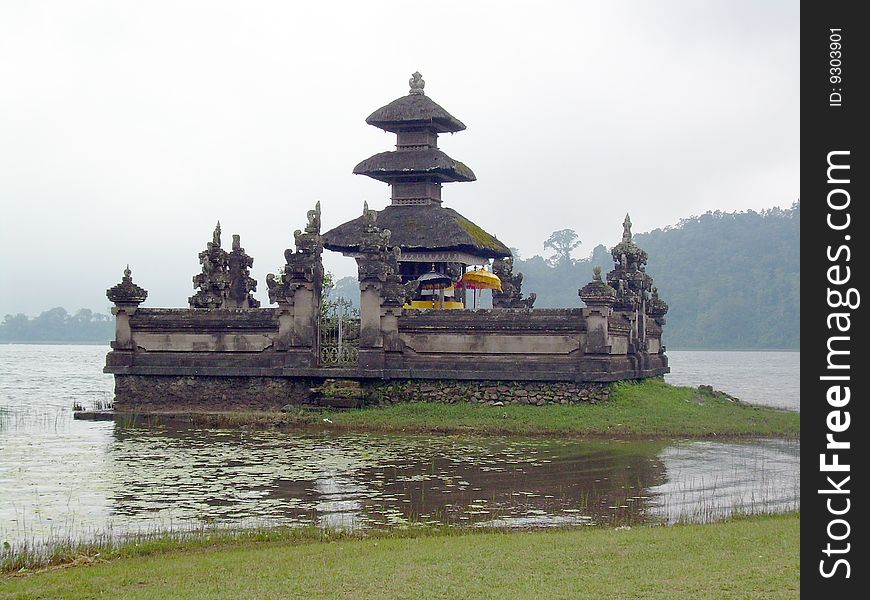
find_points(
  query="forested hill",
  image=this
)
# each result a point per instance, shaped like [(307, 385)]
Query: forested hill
[(732, 279)]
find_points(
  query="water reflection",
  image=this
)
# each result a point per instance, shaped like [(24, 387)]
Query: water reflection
[(172, 476), (60, 477), (368, 480)]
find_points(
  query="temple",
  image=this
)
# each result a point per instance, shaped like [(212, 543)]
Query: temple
[(431, 238), (417, 260)]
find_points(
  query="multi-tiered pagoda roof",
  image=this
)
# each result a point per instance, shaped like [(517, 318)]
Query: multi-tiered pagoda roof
[(425, 231)]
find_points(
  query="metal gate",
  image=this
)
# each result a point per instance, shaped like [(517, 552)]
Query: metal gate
[(339, 334)]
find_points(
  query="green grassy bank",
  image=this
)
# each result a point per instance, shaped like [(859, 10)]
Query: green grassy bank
[(752, 557), (648, 408)]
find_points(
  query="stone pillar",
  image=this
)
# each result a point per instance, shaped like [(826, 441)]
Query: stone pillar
[(285, 325), (380, 288), (371, 344), (393, 299), (599, 298), (126, 296), (298, 290)]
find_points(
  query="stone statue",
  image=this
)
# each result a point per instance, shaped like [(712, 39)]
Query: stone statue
[(369, 218), (313, 226), (241, 284), (303, 267), (626, 229), (213, 283), (416, 83)]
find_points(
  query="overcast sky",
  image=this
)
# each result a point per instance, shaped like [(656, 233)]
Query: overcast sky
[(128, 128)]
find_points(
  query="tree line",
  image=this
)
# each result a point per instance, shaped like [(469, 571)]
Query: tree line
[(732, 281), (57, 325)]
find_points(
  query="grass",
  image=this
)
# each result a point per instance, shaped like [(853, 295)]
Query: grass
[(647, 408), (748, 557)]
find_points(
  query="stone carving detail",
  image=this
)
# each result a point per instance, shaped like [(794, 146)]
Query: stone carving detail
[(379, 262), (126, 292), (596, 292), (241, 283), (213, 283), (634, 287), (225, 281), (657, 308), (511, 295), (629, 277), (304, 267), (416, 83)]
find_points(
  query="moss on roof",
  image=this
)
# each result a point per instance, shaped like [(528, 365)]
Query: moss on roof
[(421, 228)]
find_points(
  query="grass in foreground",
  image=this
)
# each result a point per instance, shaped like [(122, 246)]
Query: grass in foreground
[(751, 557), (647, 408)]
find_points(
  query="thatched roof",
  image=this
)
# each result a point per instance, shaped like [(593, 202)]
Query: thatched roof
[(420, 228), (388, 166), (414, 110)]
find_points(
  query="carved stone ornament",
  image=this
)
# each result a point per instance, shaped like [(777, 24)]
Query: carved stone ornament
[(596, 292), (303, 267), (511, 295), (416, 83), (213, 283), (242, 284), (657, 308), (629, 277), (126, 292)]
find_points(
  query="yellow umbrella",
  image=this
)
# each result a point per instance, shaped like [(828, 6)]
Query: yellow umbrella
[(481, 280)]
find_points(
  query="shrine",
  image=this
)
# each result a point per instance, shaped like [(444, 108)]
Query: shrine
[(431, 238), (417, 260)]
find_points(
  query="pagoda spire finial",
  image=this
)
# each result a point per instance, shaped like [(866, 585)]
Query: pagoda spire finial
[(216, 236), (416, 83), (626, 229)]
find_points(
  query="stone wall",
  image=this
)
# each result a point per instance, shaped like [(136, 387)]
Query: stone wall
[(487, 392), (161, 392)]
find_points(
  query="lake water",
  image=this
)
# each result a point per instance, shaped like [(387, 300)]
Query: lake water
[(60, 477), (766, 378)]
